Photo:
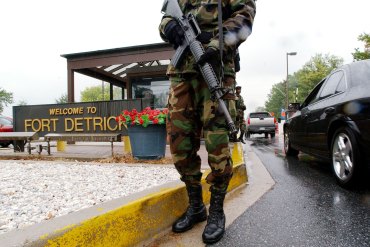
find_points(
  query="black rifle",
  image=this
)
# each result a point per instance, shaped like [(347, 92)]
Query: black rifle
[(191, 31)]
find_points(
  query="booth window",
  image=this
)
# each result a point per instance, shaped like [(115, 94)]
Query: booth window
[(156, 89)]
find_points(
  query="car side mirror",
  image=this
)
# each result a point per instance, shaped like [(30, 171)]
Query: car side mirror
[(294, 106)]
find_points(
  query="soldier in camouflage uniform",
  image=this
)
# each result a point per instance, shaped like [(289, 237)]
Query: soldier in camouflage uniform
[(240, 108), (191, 109)]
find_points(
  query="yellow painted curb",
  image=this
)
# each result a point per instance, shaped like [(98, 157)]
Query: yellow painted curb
[(237, 154), (140, 220)]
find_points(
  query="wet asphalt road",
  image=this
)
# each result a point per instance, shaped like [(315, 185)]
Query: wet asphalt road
[(305, 207)]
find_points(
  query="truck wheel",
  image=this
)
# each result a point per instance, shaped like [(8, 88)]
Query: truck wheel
[(289, 151)]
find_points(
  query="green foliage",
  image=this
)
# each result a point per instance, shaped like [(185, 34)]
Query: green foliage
[(5, 99), (362, 55), (276, 99), (94, 93), (312, 73), (260, 108), (62, 99), (305, 79), (22, 102)]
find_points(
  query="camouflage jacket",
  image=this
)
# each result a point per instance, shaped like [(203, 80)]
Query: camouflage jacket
[(238, 17), (240, 106)]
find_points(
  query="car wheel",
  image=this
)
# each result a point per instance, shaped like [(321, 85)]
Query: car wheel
[(289, 151), (345, 157)]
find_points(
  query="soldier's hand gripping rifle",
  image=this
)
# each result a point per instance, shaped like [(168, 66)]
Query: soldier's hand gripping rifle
[(191, 31)]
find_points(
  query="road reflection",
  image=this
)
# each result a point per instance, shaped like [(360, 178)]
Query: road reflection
[(303, 165), (306, 205)]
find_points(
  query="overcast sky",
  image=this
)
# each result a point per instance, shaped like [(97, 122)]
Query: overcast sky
[(35, 33)]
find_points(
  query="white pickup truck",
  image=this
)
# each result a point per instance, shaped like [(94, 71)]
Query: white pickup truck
[(260, 123)]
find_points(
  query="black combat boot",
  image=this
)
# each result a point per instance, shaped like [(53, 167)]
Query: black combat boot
[(195, 213), (215, 227), (241, 137)]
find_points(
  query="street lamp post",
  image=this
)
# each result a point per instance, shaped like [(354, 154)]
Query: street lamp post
[(286, 82)]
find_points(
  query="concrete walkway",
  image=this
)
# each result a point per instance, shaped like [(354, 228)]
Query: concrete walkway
[(85, 151), (135, 220)]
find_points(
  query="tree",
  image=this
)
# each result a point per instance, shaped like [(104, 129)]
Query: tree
[(312, 73), (358, 55), (94, 93), (260, 108), (304, 79), (276, 99), (5, 99), (22, 102), (62, 99)]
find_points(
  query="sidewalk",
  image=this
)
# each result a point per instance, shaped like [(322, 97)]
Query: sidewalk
[(85, 151), (128, 221)]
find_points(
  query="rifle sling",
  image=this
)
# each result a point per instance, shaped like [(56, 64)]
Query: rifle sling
[(220, 38)]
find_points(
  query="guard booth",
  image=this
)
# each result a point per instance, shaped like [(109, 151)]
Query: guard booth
[(139, 70)]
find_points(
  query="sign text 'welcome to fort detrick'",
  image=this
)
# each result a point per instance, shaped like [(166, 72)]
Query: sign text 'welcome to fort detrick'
[(90, 117)]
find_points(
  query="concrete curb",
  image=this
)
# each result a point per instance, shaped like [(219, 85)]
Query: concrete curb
[(127, 221)]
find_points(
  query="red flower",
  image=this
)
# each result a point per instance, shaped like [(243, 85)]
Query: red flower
[(144, 118)]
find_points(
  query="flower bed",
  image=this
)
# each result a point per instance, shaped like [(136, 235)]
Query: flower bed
[(147, 132), (144, 118)]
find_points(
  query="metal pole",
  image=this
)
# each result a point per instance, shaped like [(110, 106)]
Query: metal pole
[(286, 84), (102, 88)]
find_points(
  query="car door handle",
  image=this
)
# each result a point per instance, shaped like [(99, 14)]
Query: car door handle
[(329, 110)]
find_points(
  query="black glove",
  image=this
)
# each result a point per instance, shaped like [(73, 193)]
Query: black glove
[(211, 56), (174, 33)]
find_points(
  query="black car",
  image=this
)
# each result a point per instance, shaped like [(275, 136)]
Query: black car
[(333, 123)]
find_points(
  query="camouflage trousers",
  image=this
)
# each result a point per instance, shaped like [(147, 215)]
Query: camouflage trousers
[(190, 111), (240, 125)]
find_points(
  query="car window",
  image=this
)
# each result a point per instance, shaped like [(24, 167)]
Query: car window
[(259, 115), (331, 84), (341, 86), (313, 96)]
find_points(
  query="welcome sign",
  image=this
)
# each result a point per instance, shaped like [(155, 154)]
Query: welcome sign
[(89, 117)]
